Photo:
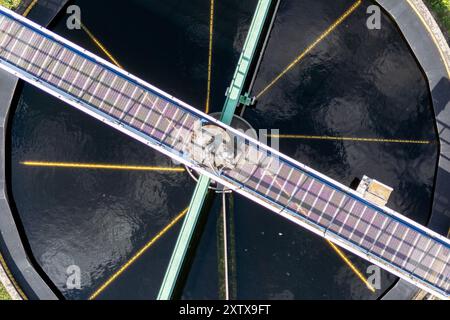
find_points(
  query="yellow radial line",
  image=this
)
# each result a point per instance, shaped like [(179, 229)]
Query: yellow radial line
[(28, 9), (300, 136), (433, 37), (311, 47), (100, 166), (344, 257), (100, 45), (137, 255), (351, 265), (102, 48), (210, 50)]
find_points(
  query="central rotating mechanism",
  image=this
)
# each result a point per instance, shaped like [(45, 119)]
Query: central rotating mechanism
[(216, 149)]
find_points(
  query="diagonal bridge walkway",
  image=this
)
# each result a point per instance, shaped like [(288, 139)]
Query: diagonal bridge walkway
[(281, 184)]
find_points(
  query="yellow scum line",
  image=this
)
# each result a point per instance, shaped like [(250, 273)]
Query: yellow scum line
[(300, 136), (340, 253), (210, 49), (107, 166), (101, 166), (433, 37), (118, 167), (311, 46), (177, 218), (100, 45), (137, 255), (28, 9), (345, 258), (351, 265), (102, 48)]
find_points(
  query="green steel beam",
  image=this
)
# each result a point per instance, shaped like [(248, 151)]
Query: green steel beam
[(234, 92), (233, 99), (184, 239)]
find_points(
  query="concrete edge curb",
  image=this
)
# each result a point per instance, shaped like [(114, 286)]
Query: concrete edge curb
[(17, 273), (5, 279)]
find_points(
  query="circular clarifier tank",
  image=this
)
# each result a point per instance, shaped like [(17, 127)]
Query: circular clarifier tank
[(356, 83)]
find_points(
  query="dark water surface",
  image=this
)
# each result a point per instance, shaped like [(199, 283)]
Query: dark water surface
[(357, 82)]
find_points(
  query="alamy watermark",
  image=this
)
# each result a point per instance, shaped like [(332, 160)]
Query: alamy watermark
[(218, 149), (374, 276), (374, 20), (73, 21), (73, 281)]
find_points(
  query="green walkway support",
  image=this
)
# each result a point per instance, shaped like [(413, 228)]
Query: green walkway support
[(234, 98), (235, 95)]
